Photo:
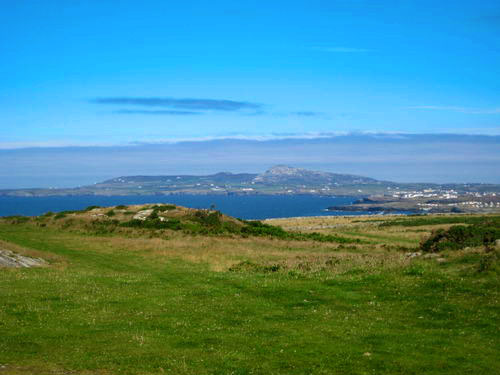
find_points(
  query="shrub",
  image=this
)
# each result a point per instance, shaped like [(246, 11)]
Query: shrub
[(257, 228), (460, 236), (208, 219), (164, 207)]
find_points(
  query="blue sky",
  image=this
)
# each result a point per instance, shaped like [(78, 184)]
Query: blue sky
[(308, 66), (116, 73)]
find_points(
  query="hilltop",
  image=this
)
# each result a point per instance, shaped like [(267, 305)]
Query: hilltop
[(158, 219)]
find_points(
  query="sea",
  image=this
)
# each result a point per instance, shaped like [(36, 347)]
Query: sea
[(247, 207)]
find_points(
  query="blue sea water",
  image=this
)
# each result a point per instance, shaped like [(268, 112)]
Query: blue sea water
[(241, 206)]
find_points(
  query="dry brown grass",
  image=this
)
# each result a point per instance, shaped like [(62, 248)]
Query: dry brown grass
[(360, 227), (219, 253), (384, 246), (222, 253)]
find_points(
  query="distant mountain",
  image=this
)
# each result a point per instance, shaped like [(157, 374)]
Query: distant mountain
[(280, 179), (277, 175)]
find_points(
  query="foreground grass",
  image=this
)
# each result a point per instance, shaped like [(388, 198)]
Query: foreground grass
[(119, 304)]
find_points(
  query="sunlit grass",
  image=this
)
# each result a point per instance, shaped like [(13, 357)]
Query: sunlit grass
[(135, 302)]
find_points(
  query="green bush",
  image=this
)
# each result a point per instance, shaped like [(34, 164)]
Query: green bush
[(110, 213), (257, 228), (164, 207), (208, 218), (460, 236)]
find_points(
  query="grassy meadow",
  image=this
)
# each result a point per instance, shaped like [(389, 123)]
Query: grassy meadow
[(191, 293)]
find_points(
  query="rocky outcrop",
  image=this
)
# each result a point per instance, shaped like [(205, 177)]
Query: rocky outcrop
[(143, 214), (13, 260)]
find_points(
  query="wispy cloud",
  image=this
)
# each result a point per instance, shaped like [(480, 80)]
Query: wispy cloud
[(341, 49), (473, 111), (156, 112), (180, 103)]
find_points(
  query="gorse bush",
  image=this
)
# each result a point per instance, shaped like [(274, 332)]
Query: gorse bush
[(110, 213), (209, 218), (163, 207), (257, 228), (460, 236)]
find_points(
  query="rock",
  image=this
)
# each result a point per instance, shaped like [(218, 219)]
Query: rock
[(12, 260), (413, 255), (143, 215), (497, 243), (441, 260)]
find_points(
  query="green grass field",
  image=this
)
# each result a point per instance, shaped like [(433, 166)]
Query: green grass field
[(156, 301)]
